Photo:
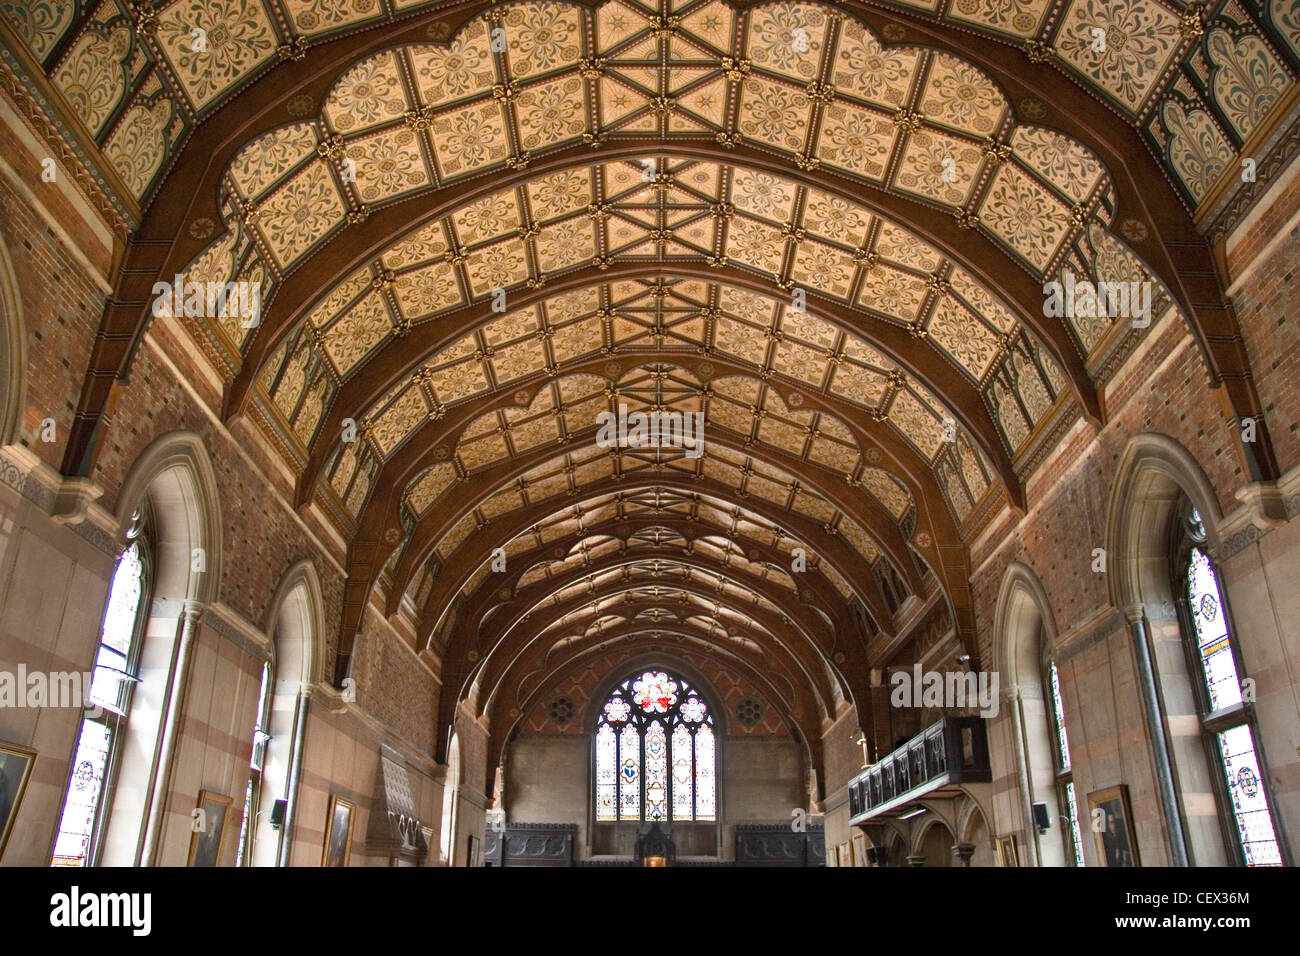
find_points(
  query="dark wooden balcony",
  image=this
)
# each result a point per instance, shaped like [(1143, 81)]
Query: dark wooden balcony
[(935, 763)]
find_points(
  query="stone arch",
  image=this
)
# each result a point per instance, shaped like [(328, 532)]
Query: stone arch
[(895, 844), (1154, 473), (13, 352), (1155, 477), (298, 603), (295, 625), (1025, 632), (174, 476), (973, 828), (934, 840), (173, 485)]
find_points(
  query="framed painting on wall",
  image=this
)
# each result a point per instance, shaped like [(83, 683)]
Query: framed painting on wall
[(338, 833), (1113, 829), (471, 858), (832, 856), (1007, 853), (859, 850), (15, 770), (209, 827)]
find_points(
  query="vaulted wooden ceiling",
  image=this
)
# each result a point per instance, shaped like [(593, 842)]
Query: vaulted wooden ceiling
[(825, 227)]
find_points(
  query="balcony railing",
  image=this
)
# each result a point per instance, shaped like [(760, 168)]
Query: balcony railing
[(948, 753)]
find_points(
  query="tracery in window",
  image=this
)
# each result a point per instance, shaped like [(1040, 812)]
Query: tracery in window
[(655, 752)]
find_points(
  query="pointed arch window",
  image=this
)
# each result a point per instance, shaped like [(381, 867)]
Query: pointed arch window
[(1226, 713), (1067, 798), (655, 752), (450, 796), (109, 702), (256, 766)]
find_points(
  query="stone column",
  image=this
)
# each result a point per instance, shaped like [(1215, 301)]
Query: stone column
[(1012, 697), (285, 848), (169, 731), (916, 859), (1156, 727)]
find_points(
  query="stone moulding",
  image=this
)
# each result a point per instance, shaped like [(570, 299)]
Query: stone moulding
[(231, 625), (70, 502), (1264, 508), (121, 213)]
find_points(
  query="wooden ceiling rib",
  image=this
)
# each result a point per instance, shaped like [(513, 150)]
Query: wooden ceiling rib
[(795, 649), (401, 357), (491, 592), (478, 549), (496, 659), (1140, 187), (651, 185)]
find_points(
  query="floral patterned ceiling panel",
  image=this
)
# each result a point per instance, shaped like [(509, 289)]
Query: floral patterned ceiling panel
[(800, 79), (381, 136), (695, 209), (576, 467), (138, 77)]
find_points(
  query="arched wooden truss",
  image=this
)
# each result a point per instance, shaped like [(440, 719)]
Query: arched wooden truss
[(825, 228)]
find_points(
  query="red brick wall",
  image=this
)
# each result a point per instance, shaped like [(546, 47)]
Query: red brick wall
[(61, 309), (1165, 391), (393, 686), (260, 537), (1268, 308)]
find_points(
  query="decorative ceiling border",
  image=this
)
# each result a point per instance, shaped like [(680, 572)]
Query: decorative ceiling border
[(30, 92), (1282, 147)]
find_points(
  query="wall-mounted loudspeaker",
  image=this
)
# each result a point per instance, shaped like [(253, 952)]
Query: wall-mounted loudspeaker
[(278, 811), (1041, 819)]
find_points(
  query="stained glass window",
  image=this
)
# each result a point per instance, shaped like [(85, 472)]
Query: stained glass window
[(655, 692), (1212, 641), (1062, 737), (77, 827), (1072, 803), (683, 779), (656, 772), (1228, 720), (1064, 776), (1249, 804), (606, 774), (242, 854), (705, 792), (109, 690), (629, 773), (655, 752), (107, 685), (255, 767)]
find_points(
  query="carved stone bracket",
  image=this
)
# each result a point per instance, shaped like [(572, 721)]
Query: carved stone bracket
[(1265, 506), (68, 501)]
